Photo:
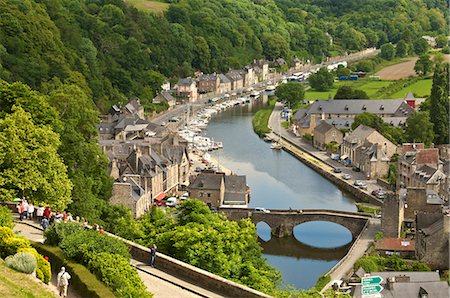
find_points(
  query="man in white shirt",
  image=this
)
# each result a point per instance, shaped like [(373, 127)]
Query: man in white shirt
[(62, 282)]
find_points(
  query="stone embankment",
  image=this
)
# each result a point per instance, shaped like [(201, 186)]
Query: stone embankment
[(327, 171)]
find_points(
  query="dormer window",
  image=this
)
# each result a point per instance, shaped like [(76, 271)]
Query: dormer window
[(320, 108), (364, 108), (347, 124), (382, 107), (346, 107)]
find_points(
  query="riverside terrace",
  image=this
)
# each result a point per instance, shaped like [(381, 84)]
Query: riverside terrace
[(282, 222)]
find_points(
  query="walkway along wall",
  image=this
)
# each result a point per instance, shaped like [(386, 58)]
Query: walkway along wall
[(355, 191), (191, 273)]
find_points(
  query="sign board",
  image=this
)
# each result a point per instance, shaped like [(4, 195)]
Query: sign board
[(371, 280), (372, 289)]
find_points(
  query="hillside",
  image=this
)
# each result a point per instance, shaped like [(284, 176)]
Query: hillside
[(114, 50)]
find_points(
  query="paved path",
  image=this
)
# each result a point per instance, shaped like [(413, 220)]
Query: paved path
[(161, 284), (358, 250)]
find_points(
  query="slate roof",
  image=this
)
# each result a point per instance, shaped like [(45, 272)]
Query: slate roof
[(165, 96), (185, 81), (235, 190), (207, 181), (372, 152), (436, 227), (359, 134), (233, 76), (429, 175), (393, 107), (223, 79), (323, 127), (208, 77)]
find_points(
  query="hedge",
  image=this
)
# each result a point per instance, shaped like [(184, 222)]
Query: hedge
[(83, 281)]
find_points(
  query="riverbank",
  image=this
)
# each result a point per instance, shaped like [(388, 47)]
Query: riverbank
[(260, 120)]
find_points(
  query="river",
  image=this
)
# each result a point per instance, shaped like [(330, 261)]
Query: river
[(278, 180)]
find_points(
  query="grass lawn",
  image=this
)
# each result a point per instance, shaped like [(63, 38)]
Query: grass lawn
[(14, 284), (148, 5), (420, 88), (368, 86)]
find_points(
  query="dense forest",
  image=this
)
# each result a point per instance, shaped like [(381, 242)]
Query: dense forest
[(112, 51)]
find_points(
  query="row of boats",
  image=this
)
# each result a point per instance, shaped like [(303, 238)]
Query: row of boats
[(193, 130)]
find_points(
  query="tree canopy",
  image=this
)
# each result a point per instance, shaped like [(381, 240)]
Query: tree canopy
[(439, 103), (322, 80), (291, 93)]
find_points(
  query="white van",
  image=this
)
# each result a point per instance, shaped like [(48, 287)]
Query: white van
[(263, 210), (171, 202)]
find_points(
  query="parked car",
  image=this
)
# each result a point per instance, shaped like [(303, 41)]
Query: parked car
[(171, 202), (263, 210), (346, 176), (184, 196), (337, 170), (356, 169), (379, 193), (358, 183)]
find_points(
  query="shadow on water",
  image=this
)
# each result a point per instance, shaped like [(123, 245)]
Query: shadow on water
[(291, 247)]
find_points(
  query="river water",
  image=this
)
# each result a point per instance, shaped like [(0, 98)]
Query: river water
[(278, 180)]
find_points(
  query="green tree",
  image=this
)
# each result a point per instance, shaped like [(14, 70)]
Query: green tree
[(441, 41), (322, 80), (419, 128), (347, 92), (401, 49), (342, 71), (423, 65), (30, 163), (420, 46), (439, 104), (291, 93), (274, 46), (387, 51)]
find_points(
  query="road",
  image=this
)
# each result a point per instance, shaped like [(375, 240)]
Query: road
[(358, 249), (161, 284), (274, 125)]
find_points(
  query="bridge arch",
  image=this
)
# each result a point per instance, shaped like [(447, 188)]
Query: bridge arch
[(264, 231), (322, 234)]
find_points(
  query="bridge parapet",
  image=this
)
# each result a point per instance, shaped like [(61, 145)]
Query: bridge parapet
[(282, 222)]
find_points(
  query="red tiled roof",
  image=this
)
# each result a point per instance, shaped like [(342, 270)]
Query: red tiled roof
[(395, 244), (427, 156)]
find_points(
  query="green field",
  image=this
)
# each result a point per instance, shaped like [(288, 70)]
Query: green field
[(147, 5), (420, 88)]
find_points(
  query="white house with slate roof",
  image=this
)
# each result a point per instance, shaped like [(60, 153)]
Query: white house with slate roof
[(341, 113)]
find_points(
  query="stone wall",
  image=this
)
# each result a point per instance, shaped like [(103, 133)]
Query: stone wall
[(192, 274), (392, 218)]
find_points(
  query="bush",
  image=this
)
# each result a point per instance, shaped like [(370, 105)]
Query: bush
[(10, 243), (57, 232), (117, 273), (83, 281), (82, 244), (6, 219), (43, 270), (23, 262)]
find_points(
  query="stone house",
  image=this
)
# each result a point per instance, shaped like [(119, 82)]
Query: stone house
[(209, 188), (130, 194), (368, 155), (372, 160), (430, 178), (405, 248), (247, 76), (187, 88), (133, 107), (326, 133), (393, 211), (236, 80), (208, 83), (236, 191), (224, 85), (341, 113), (421, 199), (432, 244), (261, 70), (165, 97)]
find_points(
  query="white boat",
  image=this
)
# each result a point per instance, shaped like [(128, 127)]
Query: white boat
[(254, 94), (270, 88), (276, 146)]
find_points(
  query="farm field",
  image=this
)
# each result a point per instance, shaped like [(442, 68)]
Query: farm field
[(421, 88), (148, 5)]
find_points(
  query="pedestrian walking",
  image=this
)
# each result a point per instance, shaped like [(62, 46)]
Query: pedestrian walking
[(153, 255), (45, 223), (47, 212), (40, 213), (24, 213), (30, 211), (62, 282)]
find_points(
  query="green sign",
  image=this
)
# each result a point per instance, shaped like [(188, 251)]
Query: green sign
[(368, 290), (371, 280)]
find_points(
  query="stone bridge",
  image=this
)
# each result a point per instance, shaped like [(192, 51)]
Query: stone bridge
[(282, 222)]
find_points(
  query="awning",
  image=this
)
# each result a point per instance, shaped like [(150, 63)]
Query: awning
[(160, 196), (344, 157)]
